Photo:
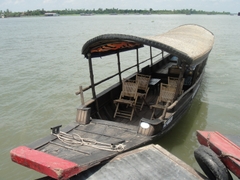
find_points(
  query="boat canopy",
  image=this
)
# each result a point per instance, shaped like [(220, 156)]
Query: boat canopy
[(190, 43)]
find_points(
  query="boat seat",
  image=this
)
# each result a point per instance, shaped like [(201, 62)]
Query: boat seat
[(128, 97), (143, 87), (174, 71), (173, 81), (165, 98)]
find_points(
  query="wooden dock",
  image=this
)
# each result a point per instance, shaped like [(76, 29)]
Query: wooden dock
[(149, 162)]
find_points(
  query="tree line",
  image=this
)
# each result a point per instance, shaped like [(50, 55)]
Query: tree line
[(41, 12)]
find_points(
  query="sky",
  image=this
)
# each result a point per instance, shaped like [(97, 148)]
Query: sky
[(232, 6)]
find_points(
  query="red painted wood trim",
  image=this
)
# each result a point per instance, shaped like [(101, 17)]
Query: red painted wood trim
[(221, 145), (47, 164)]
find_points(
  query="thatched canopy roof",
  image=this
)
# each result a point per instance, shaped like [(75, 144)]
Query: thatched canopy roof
[(190, 43)]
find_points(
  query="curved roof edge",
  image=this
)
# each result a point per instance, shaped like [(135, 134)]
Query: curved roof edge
[(190, 43)]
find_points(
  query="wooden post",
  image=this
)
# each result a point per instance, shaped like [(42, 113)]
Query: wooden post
[(81, 95), (137, 60), (91, 75), (151, 55), (119, 68)]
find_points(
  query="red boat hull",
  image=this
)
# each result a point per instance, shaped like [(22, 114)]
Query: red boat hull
[(52, 166), (228, 152)]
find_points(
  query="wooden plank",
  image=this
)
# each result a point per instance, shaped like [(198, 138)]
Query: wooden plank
[(83, 157), (116, 124), (101, 132), (149, 162), (110, 129), (81, 154), (41, 142)]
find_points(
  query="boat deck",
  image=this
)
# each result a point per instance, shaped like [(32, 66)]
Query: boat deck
[(149, 162), (78, 147)]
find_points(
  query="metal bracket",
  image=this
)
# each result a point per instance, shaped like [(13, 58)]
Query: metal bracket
[(56, 129)]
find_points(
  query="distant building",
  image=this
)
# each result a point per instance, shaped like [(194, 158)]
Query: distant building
[(2, 15), (86, 14), (51, 14)]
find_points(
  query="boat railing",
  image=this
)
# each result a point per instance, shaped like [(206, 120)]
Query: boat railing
[(81, 89)]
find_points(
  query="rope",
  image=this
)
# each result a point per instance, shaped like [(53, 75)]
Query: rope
[(228, 155), (76, 140), (222, 155), (208, 140)]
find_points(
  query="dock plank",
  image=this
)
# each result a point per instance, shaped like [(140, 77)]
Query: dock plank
[(149, 162)]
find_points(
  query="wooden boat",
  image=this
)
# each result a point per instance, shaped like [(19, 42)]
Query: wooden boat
[(218, 154), (140, 106)]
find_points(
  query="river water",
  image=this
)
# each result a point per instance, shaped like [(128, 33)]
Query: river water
[(41, 67)]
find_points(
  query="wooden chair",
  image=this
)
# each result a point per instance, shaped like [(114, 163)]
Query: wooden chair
[(173, 81), (165, 98), (174, 71), (143, 82), (128, 97)]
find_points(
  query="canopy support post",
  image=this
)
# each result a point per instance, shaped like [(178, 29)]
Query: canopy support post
[(151, 55), (137, 60), (91, 75), (119, 67)]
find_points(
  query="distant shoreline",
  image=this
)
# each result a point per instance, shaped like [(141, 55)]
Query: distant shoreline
[(114, 15), (112, 11)]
